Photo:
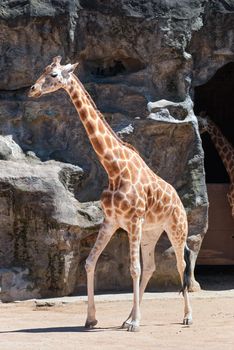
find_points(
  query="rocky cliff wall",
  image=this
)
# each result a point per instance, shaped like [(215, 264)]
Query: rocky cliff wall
[(130, 53)]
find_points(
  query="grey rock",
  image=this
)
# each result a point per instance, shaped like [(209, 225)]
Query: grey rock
[(15, 284), (168, 110), (41, 228), (130, 53), (9, 149)]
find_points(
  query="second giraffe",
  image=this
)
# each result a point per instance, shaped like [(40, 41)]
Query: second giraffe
[(224, 148)]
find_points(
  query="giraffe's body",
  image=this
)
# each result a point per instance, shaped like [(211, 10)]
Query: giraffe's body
[(224, 149), (136, 200)]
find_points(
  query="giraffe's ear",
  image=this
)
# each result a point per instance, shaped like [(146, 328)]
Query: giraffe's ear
[(57, 59), (75, 65), (69, 68)]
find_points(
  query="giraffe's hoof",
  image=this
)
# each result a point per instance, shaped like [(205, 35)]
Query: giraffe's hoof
[(90, 324), (125, 325), (187, 321), (132, 327)]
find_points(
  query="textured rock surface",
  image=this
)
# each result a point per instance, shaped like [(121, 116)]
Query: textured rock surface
[(130, 53), (41, 226)]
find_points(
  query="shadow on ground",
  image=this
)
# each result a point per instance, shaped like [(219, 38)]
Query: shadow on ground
[(82, 329)]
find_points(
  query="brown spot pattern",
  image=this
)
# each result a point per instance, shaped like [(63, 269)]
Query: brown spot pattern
[(99, 145), (83, 113), (101, 127), (90, 127)]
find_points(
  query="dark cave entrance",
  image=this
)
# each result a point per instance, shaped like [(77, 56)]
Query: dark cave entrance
[(216, 98)]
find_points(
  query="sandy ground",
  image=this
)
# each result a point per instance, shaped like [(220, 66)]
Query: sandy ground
[(34, 325)]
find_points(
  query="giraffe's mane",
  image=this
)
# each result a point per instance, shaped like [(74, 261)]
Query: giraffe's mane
[(102, 116)]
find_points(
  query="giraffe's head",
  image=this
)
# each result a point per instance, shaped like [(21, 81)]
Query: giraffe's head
[(54, 78), (204, 122)]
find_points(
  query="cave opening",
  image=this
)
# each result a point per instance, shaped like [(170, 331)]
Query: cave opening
[(216, 99)]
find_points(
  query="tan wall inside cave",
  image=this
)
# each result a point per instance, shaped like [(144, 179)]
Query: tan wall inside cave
[(218, 244)]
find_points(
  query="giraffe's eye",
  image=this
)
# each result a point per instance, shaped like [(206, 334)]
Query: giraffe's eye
[(54, 75)]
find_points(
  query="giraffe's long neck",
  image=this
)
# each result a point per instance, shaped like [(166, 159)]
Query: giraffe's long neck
[(105, 142), (224, 148)]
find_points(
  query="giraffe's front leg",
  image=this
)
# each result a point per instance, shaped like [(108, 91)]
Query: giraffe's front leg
[(148, 242), (105, 233), (135, 269)]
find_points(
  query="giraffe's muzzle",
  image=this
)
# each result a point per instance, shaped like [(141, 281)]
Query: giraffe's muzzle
[(34, 92)]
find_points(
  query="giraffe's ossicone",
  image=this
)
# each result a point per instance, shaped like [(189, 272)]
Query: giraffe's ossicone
[(136, 200)]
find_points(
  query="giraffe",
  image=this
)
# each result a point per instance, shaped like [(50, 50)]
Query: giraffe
[(136, 200), (224, 149)]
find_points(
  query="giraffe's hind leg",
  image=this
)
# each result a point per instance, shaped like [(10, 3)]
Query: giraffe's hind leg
[(148, 242), (177, 235)]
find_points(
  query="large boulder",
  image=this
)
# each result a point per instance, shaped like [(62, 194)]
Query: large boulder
[(41, 225)]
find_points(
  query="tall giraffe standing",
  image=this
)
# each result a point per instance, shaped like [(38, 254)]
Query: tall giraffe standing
[(224, 149), (136, 200)]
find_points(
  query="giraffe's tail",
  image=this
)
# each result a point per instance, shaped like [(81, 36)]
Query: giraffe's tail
[(187, 270)]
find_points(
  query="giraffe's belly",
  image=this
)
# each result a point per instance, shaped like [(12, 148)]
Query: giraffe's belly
[(152, 222)]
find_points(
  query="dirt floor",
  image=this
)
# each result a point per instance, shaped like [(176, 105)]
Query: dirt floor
[(58, 323)]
